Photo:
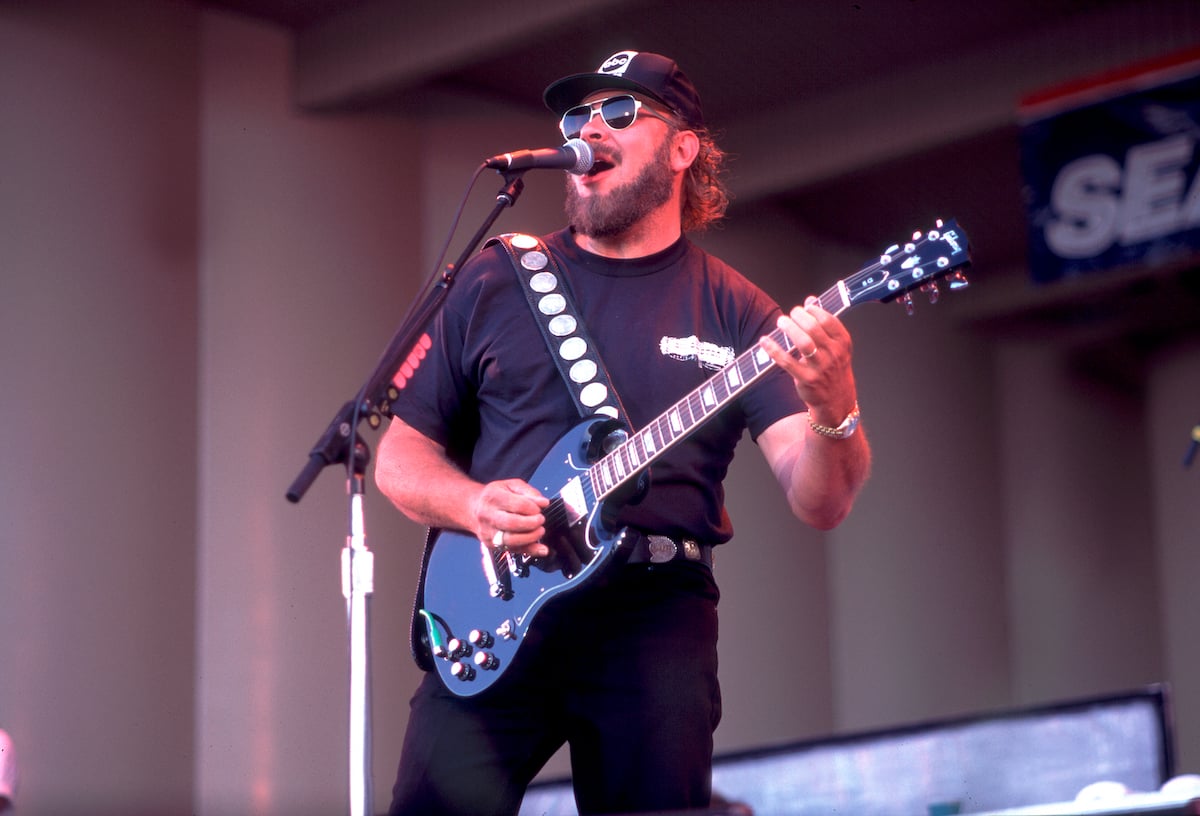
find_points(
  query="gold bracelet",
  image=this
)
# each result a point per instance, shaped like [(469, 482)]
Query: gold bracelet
[(844, 431)]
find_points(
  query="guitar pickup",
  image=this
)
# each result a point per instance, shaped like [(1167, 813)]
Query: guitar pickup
[(573, 501)]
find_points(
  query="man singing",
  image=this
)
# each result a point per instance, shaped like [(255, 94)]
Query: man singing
[(624, 669)]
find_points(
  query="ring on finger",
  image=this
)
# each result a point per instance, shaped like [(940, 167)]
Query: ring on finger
[(810, 354)]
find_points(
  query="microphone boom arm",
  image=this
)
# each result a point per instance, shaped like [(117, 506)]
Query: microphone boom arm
[(375, 396)]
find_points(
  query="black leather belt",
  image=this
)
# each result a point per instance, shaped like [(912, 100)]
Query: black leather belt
[(658, 549)]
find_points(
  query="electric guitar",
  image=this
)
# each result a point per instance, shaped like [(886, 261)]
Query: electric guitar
[(478, 603)]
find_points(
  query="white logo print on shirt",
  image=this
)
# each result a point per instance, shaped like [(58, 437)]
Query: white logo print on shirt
[(708, 355)]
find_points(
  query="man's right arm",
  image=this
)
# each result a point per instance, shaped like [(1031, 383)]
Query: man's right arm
[(415, 473)]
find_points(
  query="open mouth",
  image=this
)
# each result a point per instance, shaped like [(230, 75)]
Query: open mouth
[(600, 166)]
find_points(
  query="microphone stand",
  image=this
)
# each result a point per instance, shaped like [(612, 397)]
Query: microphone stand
[(341, 444)]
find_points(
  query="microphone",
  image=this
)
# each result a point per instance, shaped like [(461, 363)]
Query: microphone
[(574, 157)]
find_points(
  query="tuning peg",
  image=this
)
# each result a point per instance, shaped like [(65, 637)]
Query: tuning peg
[(931, 291), (958, 281), (907, 300)]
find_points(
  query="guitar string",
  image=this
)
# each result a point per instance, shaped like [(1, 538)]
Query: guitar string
[(692, 410), (556, 516)]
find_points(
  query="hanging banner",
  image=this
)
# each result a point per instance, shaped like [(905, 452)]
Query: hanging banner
[(1112, 170)]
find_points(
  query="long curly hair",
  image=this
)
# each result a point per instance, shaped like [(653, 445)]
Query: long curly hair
[(705, 196)]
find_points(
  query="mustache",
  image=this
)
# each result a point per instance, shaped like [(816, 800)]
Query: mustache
[(606, 154)]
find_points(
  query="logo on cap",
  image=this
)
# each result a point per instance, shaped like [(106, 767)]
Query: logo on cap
[(617, 63)]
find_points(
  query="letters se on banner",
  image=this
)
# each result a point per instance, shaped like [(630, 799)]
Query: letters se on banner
[(1112, 170)]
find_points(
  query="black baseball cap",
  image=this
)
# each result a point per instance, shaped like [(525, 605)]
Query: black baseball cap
[(653, 75)]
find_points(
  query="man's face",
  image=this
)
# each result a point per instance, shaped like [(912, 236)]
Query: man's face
[(631, 176)]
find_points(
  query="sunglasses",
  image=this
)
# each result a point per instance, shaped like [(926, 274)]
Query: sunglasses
[(618, 112)]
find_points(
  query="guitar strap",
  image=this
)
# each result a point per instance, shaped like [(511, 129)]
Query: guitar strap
[(572, 350), (573, 353)]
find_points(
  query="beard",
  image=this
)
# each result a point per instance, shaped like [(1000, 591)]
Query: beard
[(611, 214)]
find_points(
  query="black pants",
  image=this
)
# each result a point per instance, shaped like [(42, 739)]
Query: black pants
[(625, 672)]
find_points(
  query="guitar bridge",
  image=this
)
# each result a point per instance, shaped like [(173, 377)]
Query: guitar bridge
[(499, 585)]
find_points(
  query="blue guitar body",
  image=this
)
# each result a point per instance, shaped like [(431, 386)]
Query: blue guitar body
[(479, 603)]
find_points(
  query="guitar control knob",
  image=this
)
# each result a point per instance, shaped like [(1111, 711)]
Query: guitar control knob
[(462, 671), (456, 648), (481, 638), (486, 660)]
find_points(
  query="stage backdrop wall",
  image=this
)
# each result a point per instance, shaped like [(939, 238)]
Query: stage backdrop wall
[(195, 275)]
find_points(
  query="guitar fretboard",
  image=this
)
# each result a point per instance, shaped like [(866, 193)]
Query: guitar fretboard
[(642, 448), (897, 271)]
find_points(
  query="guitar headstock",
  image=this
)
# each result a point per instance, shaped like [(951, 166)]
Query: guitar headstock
[(942, 252)]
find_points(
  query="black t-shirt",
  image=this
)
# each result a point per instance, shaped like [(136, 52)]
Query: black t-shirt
[(490, 393)]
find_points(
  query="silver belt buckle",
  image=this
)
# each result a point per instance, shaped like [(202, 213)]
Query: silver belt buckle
[(662, 549)]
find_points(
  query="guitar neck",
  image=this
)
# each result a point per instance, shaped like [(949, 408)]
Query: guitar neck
[(641, 449), (918, 263)]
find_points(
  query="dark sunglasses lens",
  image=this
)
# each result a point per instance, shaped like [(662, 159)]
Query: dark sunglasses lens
[(619, 112), (574, 120)]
